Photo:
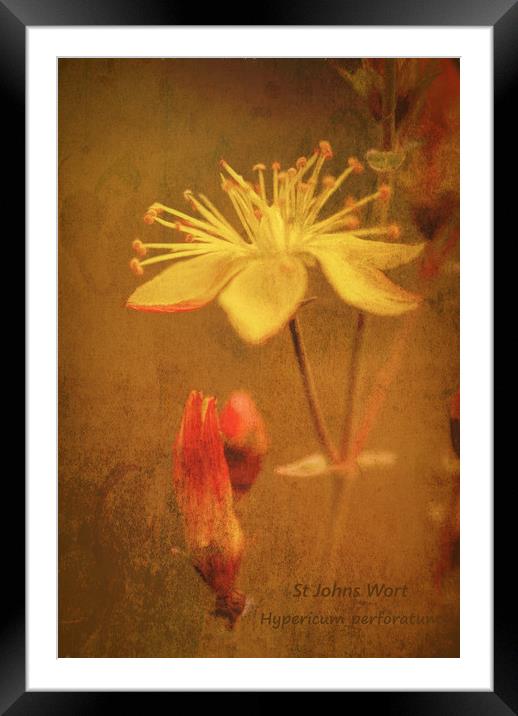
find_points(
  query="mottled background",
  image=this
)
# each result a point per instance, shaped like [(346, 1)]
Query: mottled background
[(136, 131)]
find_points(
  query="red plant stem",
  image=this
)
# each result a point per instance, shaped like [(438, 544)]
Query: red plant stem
[(311, 393), (351, 384)]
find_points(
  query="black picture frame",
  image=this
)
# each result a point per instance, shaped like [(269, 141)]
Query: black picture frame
[(15, 17)]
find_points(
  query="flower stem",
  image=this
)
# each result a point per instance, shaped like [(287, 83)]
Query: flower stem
[(310, 390), (351, 385), (388, 125)]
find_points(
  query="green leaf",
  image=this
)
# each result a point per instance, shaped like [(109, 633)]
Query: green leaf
[(364, 80), (385, 161)]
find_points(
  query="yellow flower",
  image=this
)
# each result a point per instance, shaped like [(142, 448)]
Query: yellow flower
[(260, 274)]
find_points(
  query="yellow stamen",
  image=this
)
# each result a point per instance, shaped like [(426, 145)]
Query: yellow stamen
[(189, 251), (275, 167), (336, 219), (325, 149), (260, 168)]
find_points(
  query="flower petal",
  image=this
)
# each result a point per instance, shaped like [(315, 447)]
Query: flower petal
[(188, 284), (264, 296), (363, 286), (383, 255)]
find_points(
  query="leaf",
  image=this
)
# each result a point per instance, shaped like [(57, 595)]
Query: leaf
[(385, 161), (364, 80), (310, 466)]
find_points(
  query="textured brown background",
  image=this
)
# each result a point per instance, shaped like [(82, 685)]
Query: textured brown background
[(135, 131)]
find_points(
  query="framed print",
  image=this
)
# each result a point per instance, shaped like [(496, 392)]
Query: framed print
[(256, 281)]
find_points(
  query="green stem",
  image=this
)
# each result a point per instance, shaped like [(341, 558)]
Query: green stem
[(388, 126), (311, 393), (388, 108)]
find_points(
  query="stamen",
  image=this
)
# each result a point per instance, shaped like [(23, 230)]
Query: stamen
[(305, 167), (216, 211), (139, 248), (188, 196), (325, 149), (384, 192), (171, 256), (234, 196), (337, 219), (328, 181), (261, 168), (135, 266), (242, 183), (221, 225), (331, 189), (394, 231), (255, 198), (355, 165), (351, 222), (150, 216), (228, 184), (276, 166)]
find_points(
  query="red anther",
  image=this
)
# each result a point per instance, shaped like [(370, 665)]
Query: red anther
[(328, 181), (258, 168), (325, 149), (136, 267), (349, 202), (258, 213), (394, 231), (228, 184), (150, 216), (352, 222), (222, 163), (301, 162), (355, 165), (189, 238), (139, 248), (276, 166), (292, 172), (384, 192)]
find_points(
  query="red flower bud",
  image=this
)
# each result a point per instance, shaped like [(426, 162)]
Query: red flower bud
[(204, 495), (246, 441)]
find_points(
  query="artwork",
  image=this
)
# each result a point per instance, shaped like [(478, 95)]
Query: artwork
[(259, 357)]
